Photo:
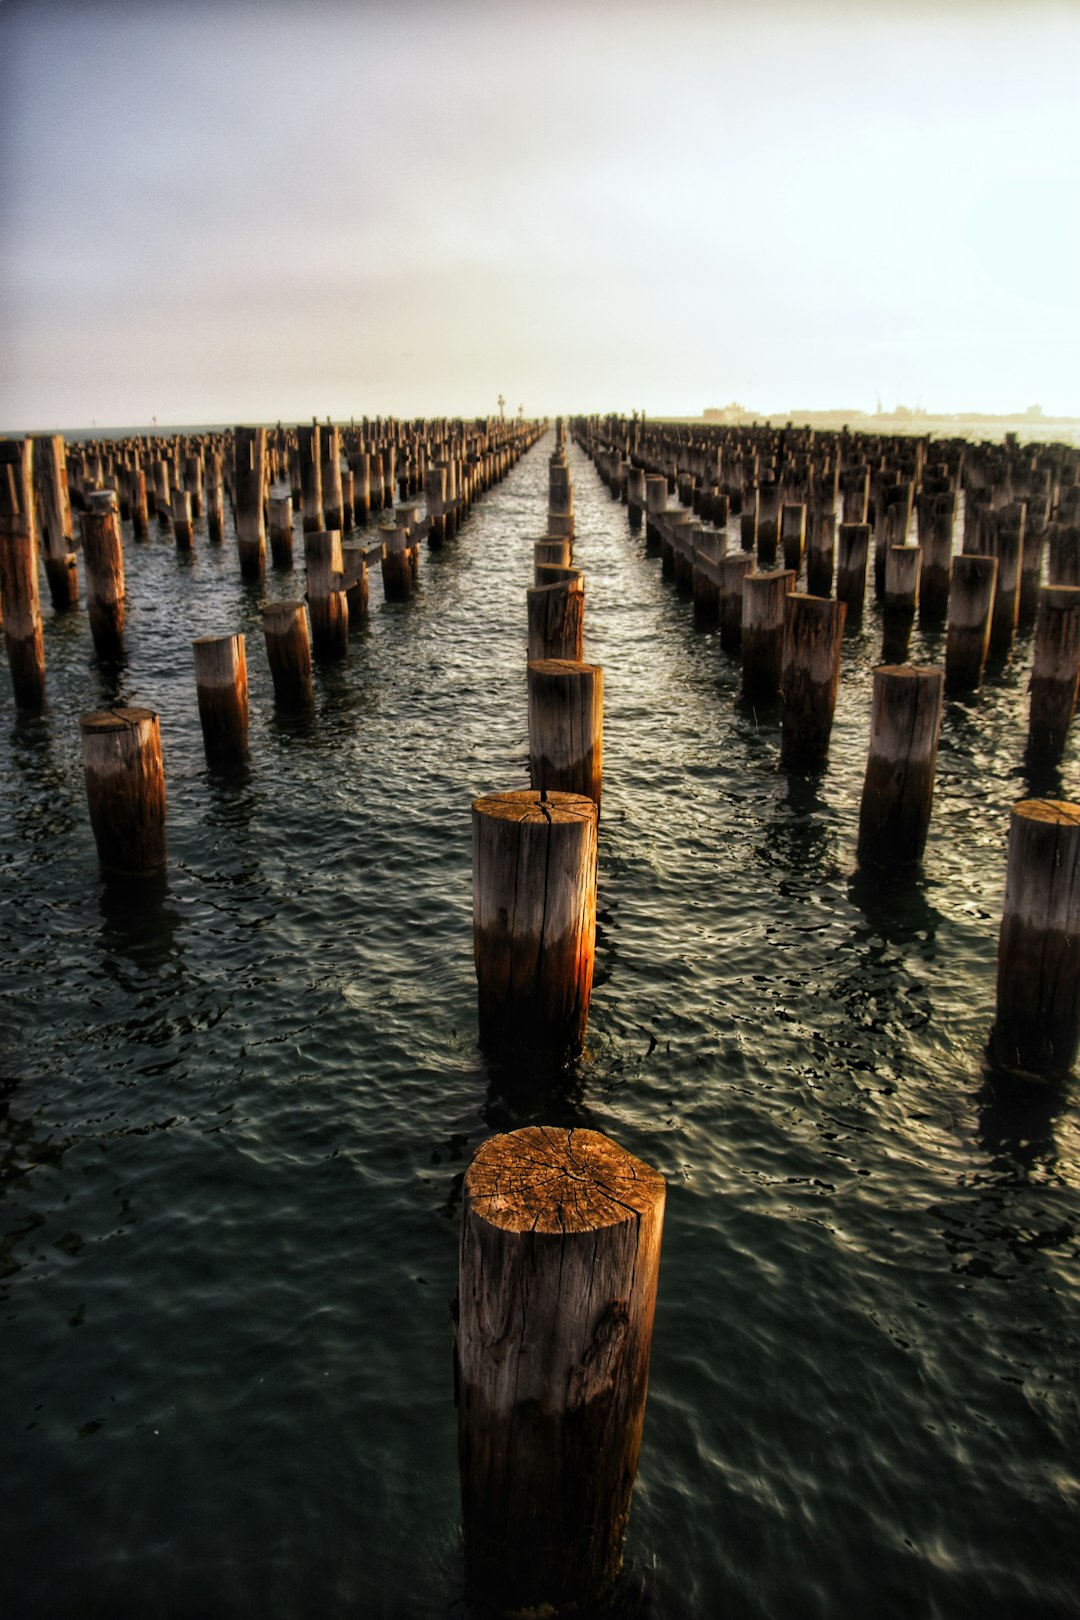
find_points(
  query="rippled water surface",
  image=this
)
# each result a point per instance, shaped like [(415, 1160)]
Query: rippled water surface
[(238, 1105)]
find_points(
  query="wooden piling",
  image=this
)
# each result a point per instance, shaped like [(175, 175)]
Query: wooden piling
[(1037, 1030), (820, 555), (221, 685), (902, 565), (327, 604), (250, 482), (125, 788), (635, 497), (55, 533), (215, 499), (853, 553), (556, 619), (332, 491), (182, 525), (763, 609), (1055, 671), (551, 552), (559, 1263), (288, 652), (793, 534), (140, 515), (103, 565), (309, 441), (23, 634), (898, 788), (972, 585), (357, 586), (813, 641), (534, 920), (566, 727), (281, 531)]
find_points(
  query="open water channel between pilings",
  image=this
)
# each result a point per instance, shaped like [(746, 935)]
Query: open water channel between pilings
[(239, 1102)]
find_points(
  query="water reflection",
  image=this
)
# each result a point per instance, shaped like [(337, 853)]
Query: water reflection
[(1016, 1124), (894, 903), (140, 923)]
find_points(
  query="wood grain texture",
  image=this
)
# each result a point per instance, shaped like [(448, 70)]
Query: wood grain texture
[(288, 651), (1037, 1030), (556, 619), (1055, 670), (560, 1247), (813, 641), (898, 788), (125, 787), (534, 919), (566, 727)]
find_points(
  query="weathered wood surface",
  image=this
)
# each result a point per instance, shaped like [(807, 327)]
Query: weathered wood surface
[(556, 619), (972, 586), (327, 602), (764, 596), (566, 727), (534, 919), (288, 652), (1055, 670), (250, 482), (103, 565), (1038, 977), (221, 686), (23, 634), (125, 787), (813, 642), (559, 1263), (898, 788)]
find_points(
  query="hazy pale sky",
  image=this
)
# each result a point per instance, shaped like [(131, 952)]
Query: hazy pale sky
[(244, 211)]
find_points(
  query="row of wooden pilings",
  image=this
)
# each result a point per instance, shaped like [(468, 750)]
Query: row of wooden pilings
[(560, 1241), (791, 642), (561, 1229), (340, 478)]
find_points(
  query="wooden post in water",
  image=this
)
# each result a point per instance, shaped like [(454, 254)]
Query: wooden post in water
[(397, 569), (560, 1255), (1055, 670), (435, 499), (311, 498), (215, 499), (182, 526), (820, 555), (221, 685), (901, 597), (1004, 539), (534, 920), (125, 788), (23, 633), (333, 498), (566, 727), (635, 497), (140, 516), (972, 585), (326, 594), (733, 570), (560, 499), (792, 534), (54, 515), (103, 565), (853, 552), (556, 619), (764, 599), (551, 552), (937, 512), (898, 789), (250, 482), (281, 531), (1038, 975), (656, 499), (813, 641), (288, 652)]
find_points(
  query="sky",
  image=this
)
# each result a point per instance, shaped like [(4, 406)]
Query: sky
[(246, 211)]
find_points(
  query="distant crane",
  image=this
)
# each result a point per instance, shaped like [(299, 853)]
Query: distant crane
[(502, 409)]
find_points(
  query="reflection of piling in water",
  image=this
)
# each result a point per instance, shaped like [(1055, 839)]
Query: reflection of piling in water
[(1037, 1030), (898, 788), (560, 1254), (125, 787), (534, 919)]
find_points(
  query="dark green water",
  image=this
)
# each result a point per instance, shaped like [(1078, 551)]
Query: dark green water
[(238, 1106)]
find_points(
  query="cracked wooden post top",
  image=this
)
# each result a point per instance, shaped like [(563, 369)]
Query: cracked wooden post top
[(560, 1249)]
